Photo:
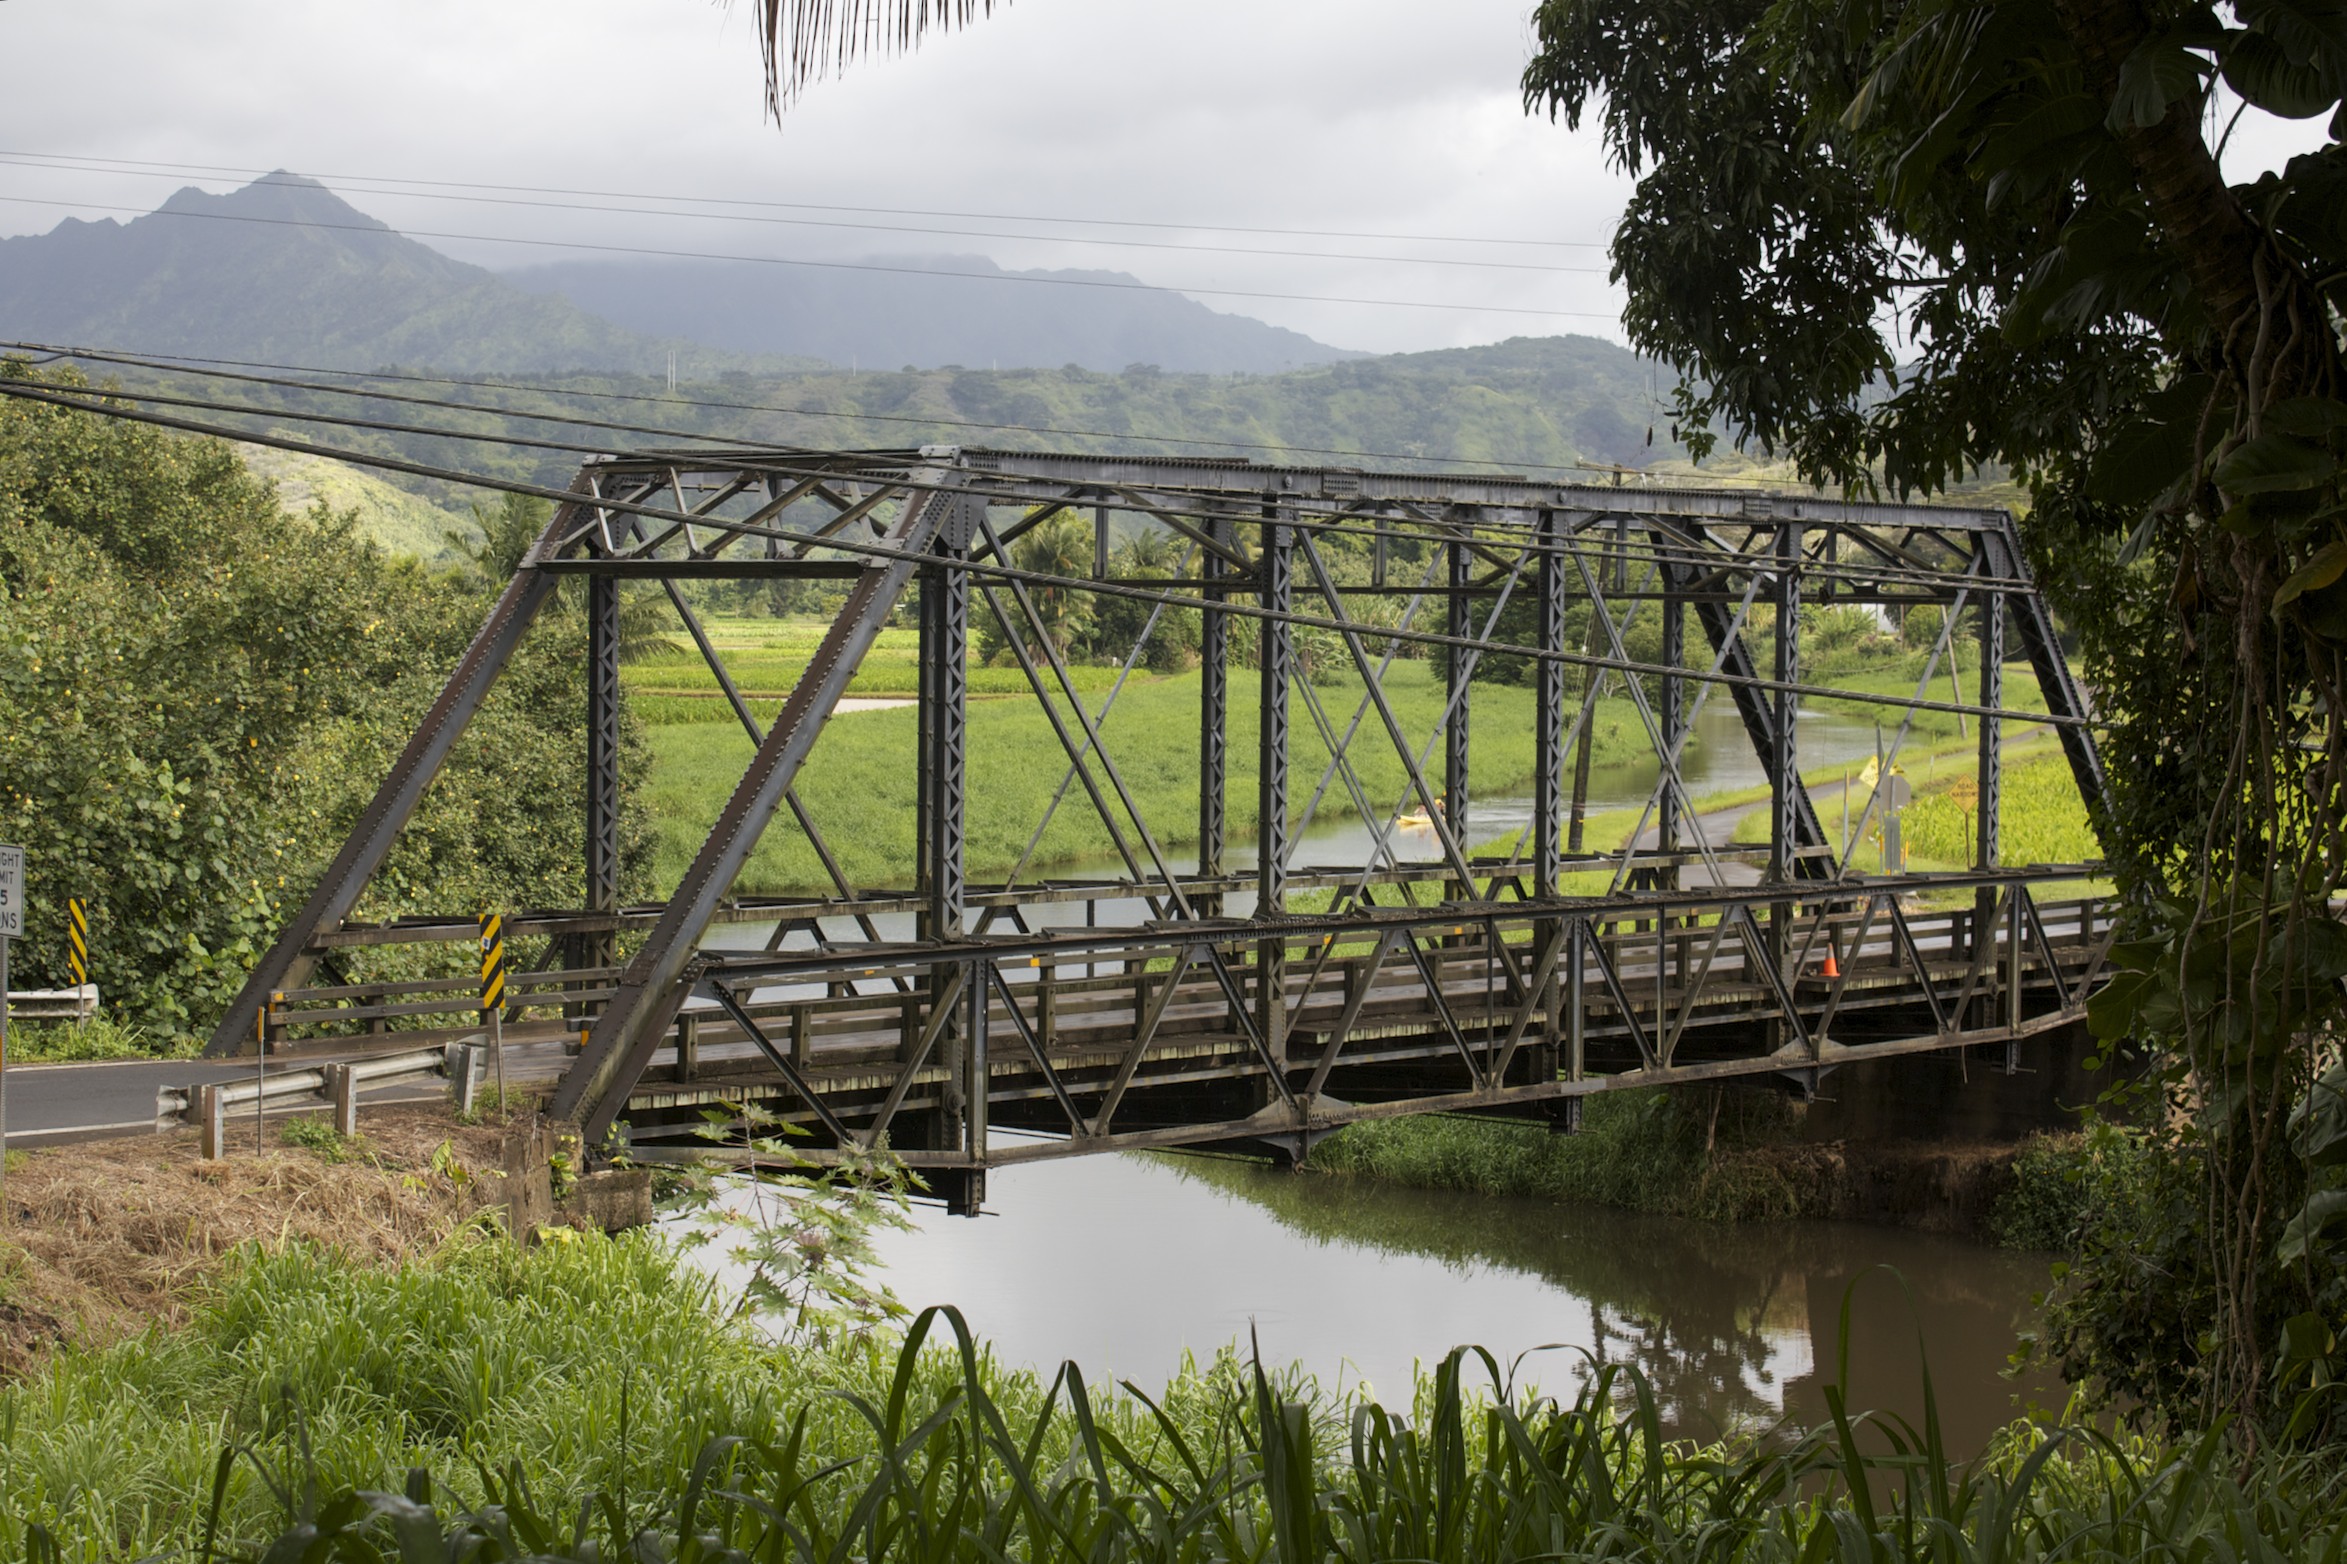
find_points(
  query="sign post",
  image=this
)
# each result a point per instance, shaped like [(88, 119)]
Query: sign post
[(77, 950), (11, 927), (493, 995)]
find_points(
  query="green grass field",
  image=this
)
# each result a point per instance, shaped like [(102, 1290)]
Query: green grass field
[(766, 657), (860, 782)]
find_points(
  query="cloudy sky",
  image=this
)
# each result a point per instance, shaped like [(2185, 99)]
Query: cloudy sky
[(1177, 128)]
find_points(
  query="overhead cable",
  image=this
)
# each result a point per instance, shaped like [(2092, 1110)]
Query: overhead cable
[(28, 391), (926, 232), (1045, 280), (69, 160)]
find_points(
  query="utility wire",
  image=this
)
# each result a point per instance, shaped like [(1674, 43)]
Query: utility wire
[(169, 361), (898, 228), (912, 483), (384, 231), (1602, 550), (70, 161)]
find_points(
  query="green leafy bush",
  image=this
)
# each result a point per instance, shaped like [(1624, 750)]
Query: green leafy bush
[(2047, 1205), (199, 692), (1644, 1151)]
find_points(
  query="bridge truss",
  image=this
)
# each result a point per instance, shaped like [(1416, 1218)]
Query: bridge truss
[(1230, 986)]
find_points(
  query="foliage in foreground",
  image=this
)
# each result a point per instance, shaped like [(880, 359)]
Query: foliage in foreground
[(586, 1401)]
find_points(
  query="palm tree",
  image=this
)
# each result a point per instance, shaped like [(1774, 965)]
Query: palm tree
[(804, 39)]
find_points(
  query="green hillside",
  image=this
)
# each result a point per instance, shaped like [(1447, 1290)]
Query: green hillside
[(1532, 405), (403, 523)]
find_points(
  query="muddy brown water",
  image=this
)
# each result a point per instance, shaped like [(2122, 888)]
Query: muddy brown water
[(1125, 1263)]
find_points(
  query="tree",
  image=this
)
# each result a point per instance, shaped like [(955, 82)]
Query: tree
[(1899, 240), (198, 693)]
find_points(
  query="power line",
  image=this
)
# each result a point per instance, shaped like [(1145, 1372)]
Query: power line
[(1604, 551), (68, 160), (896, 228), (843, 266), (165, 362), (27, 391)]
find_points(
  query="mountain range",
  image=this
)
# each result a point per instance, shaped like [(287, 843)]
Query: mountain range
[(286, 270)]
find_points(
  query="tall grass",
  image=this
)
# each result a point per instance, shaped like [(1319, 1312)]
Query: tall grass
[(589, 1401), (2041, 817)]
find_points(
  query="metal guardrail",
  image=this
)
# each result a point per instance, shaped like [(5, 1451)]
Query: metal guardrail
[(53, 1004), (208, 1105)]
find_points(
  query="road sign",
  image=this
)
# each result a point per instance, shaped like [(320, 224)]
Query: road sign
[(77, 940), (11, 893), (492, 962)]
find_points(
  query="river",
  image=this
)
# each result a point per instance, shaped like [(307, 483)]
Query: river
[(1124, 1263)]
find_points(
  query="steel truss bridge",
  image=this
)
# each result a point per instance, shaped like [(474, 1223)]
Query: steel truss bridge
[(1185, 1001)]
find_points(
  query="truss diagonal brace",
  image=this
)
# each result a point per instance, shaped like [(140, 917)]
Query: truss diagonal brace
[(1753, 704), (288, 961), (597, 1084)]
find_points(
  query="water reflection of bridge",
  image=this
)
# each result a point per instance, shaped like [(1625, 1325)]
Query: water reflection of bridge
[(1177, 1003)]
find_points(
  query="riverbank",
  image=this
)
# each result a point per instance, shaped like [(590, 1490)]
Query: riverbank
[(593, 1398), (1716, 1155), (105, 1239)]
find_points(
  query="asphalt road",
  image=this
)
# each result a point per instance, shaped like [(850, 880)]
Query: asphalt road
[(47, 1103)]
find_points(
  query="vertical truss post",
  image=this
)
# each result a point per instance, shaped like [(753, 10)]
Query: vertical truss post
[(1458, 623), (599, 949), (1992, 738), (1548, 765), (977, 1079), (1276, 660), (1674, 712), (945, 665), (1548, 739), (1788, 797), (945, 661), (1752, 705), (1991, 776), (1214, 701), (1576, 999)]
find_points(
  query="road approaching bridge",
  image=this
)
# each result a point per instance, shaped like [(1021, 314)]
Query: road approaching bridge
[(1187, 1000)]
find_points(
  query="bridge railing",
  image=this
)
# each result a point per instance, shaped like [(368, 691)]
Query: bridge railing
[(1455, 1010)]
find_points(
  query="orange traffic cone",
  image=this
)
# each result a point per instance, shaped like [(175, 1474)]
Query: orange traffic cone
[(1833, 968)]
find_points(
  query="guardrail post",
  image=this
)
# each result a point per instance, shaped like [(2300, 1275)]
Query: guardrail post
[(212, 1123), (342, 1085), (464, 1075)]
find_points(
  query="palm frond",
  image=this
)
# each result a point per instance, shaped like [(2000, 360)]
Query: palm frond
[(806, 39)]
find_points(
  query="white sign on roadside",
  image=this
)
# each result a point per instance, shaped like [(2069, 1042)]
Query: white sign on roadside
[(11, 893)]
